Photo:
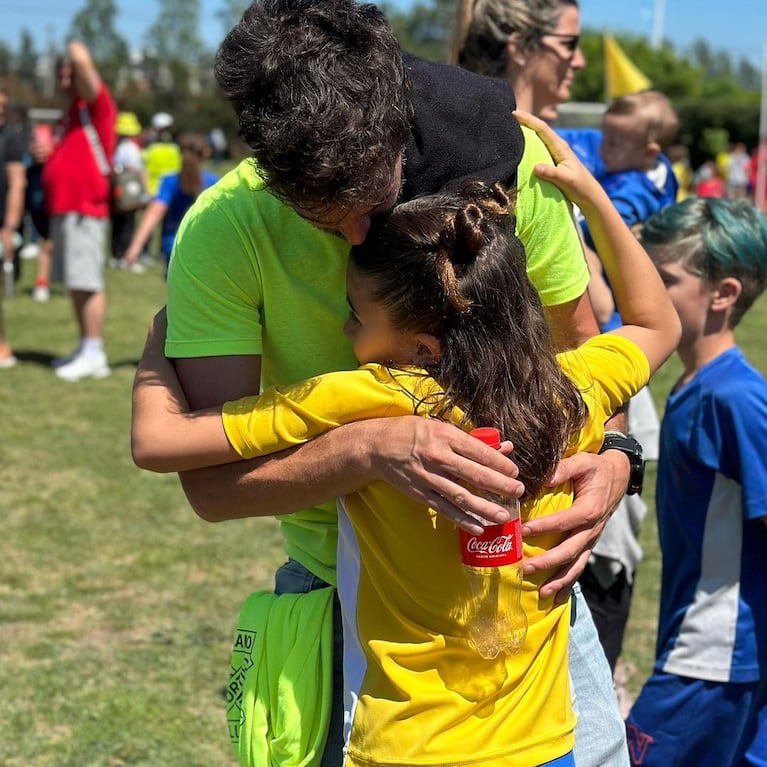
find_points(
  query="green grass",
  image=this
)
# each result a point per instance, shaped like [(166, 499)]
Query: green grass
[(117, 604)]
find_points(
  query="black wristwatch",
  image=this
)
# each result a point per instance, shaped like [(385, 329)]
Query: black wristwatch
[(616, 440)]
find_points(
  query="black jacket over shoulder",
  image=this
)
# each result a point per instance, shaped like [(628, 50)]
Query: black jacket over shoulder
[(463, 129)]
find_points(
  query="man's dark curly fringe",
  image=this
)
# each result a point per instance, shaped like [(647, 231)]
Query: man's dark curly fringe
[(322, 98), (450, 264)]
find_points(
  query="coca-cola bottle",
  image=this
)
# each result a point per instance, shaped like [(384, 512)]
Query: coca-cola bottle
[(492, 562)]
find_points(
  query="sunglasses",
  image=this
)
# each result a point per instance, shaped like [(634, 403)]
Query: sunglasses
[(568, 42)]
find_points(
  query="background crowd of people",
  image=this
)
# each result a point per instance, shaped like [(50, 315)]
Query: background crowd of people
[(94, 189)]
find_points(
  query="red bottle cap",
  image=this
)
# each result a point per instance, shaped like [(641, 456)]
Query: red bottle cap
[(488, 435), (498, 545)]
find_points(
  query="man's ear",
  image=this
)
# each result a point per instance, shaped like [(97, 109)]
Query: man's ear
[(725, 294), (429, 348)]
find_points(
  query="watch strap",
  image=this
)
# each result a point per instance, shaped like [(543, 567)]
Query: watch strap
[(632, 448)]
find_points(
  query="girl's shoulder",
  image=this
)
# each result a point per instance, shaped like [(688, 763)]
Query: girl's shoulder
[(608, 368)]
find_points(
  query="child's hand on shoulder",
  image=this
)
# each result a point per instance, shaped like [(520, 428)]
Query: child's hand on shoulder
[(567, 172)]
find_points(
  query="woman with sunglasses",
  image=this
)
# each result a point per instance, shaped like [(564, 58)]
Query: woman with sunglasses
[(175, 194), (532, 43)]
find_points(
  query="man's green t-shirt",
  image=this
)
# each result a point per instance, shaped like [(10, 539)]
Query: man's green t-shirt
[(248, 276)]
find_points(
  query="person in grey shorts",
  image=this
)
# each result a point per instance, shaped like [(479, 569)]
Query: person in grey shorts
[(76, 187)]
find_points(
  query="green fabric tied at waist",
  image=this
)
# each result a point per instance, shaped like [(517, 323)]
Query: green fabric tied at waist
[(279, 693)]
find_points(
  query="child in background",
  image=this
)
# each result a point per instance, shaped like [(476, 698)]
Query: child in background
[(446, 325), (175, 194), (679, 157), (127, 157), (40, 148), (707, 182), (627, 154), (161, 154), (706, 700)]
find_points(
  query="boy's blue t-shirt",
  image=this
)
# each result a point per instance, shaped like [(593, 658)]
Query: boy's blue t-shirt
[(636, 194), (711, 498)]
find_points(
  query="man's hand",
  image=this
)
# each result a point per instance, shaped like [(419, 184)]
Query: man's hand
[(443, 467), (599, 483)]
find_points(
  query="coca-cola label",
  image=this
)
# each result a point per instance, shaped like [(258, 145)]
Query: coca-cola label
[(497, 546)]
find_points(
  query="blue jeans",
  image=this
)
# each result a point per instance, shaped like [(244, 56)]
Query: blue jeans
[(600, 735), (294, 578)]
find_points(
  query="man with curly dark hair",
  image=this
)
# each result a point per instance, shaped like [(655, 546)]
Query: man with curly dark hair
[(333, 141), (342, 124)]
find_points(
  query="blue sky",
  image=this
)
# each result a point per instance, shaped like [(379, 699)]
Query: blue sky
[(738, 26)]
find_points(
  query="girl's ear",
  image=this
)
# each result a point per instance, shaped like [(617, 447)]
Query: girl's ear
[(429, 348), (725, 294)]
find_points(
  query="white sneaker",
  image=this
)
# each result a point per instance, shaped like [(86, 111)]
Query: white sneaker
[(135, 267), (41, 293), (92, 365), (8, 361), (30, 250)]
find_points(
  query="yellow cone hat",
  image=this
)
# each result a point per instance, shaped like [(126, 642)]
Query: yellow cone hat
[(621, 74)]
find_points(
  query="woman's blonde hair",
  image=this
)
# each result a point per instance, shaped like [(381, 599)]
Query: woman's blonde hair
[(482, 29)]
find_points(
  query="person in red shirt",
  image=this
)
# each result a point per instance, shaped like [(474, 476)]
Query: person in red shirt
[(76, 187), (708, 183)]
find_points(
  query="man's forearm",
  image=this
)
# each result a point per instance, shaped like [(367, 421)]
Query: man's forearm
[(329, 466), (426, 459), (619, 420)]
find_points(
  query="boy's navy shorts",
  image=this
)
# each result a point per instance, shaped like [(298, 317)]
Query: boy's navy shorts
[(681, 721)]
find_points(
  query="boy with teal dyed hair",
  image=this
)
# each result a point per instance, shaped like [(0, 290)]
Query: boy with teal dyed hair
[(711, 499)]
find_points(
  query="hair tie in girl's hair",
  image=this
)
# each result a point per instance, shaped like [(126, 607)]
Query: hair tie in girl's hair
[(460, 242), (502, 199), (492, 198)]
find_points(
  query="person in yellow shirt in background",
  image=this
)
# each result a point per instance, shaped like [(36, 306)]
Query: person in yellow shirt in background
[(445, 324), (161, 154), (679, 155)]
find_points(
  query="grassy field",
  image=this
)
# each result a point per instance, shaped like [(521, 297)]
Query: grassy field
[(117, 604)]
